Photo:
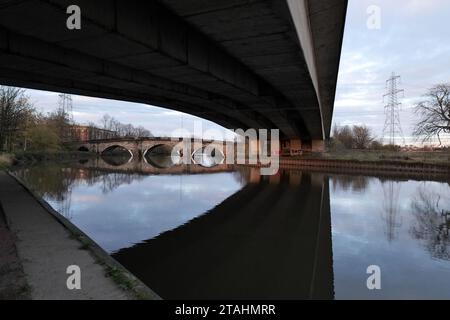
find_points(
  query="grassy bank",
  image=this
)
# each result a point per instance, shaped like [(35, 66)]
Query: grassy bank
[(377, 156), (25, 158), (60, 156)]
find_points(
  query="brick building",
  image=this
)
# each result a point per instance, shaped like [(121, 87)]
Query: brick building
[(85, 133)]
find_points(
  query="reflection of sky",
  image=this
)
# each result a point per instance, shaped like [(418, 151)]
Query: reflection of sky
[(143, 209), (140, 210), (359, 227)]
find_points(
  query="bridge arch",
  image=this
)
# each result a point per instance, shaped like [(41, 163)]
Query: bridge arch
[(160, 148), (115, 147), (208, 156), (160, 156), (161, 162), (83, 149)]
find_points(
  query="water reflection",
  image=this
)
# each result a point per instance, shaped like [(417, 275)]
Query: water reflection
[(115, 161), (390, 213), (350, 183), (432, 213), (228, 232), (208, 157), (161, 161), (269, 240)]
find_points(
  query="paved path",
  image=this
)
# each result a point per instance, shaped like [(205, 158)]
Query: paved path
[(46, 249), (13, 284)]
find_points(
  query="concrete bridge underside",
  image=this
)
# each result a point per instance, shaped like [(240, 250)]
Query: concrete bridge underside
[(240, 63)]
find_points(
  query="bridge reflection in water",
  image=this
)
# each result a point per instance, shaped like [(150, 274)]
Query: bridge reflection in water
[(157, 164), (227, 232), (271, 239), (260, 237)]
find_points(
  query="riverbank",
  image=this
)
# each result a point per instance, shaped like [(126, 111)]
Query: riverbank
[(380, 156), (35, 157), (372, 161), (46, 244), (12, 159), (431, 162)]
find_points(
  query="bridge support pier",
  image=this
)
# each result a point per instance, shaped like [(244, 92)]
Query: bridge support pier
[(313, 145), (318, 146), (293, 147)]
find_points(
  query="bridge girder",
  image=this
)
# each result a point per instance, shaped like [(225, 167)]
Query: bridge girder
[(239, 63)]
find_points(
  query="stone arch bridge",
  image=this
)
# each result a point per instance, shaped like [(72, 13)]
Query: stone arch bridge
[(138, 147)]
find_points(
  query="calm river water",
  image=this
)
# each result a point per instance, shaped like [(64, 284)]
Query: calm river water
[(227, 232)]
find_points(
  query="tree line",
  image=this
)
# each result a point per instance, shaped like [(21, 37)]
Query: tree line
[(121, 129), (433, 122), (23, 128), (354, 137)]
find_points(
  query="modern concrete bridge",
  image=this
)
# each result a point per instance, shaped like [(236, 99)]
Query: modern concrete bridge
[(240, 63)]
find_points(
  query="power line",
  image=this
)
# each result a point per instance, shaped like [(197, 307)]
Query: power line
[(392, 126)]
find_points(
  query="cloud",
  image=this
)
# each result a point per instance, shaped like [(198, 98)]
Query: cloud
[(160, 121), (414, 41)]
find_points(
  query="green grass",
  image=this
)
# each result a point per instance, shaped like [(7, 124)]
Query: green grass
[(431, 157), (116, 274), (120, 278)]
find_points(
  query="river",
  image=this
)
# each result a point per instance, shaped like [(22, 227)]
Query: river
[(226, 232)]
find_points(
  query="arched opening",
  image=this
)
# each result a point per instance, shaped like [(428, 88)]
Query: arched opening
[(160, 156), (160, 149), (208, 156), (116, 155), (83, 149)]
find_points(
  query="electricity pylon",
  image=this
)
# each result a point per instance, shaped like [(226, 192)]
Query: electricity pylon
[(65, 106), (392, 126), (391, 209)]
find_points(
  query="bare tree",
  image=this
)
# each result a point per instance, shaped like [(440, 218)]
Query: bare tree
[(123, 130), (106, 122), (362, 137), (15, 111), (358, 137), (142, 132), (434, 113), (344, 135), (59, 121), (432, 225)]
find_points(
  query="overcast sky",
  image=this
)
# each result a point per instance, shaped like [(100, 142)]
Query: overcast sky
[(413, 41)]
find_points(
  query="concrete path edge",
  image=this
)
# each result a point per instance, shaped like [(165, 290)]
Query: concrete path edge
[(140, 289)]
